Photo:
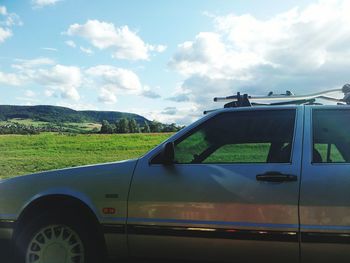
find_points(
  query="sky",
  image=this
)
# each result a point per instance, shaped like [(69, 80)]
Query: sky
[(167, 59)]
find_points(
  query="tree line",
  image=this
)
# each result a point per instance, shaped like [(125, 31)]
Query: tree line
[(18, 128), (125, 125)]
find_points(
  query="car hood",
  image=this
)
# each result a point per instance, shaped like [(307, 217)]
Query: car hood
[(78, 171), (89, 183)]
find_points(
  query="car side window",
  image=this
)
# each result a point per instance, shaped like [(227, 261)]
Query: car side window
[(331, 136), (240, 137)]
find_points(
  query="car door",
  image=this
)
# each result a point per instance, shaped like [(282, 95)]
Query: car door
[(325, 187), (231, 194)]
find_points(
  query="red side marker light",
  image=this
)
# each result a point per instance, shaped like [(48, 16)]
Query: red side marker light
[(108, 210)]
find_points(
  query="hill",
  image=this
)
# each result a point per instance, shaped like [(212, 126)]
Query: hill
[(56, 114)]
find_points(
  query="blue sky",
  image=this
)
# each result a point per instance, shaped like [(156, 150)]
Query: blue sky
[(167, 59)]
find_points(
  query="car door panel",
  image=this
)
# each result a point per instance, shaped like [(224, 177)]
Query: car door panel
[(325, 199), (215, 212)]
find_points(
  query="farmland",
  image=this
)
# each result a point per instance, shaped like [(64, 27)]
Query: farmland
[(22, 154)]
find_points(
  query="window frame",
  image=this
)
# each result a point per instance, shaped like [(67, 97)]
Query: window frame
[(199, 126)]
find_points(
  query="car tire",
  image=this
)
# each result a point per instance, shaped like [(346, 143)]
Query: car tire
[(57, 237)]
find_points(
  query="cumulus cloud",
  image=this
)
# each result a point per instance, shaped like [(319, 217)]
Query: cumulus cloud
[(49, 93), (29, 93), (10, 79), (4, 34), (118, 78), (24, 64), (169, 111), (148, 92), (55, 78), (107, 96), (3, 10), (43, 3), (183, 115), (66, 79), (124, 43), (70, 43), (86, 50), (26, 71), (300, 50), (7, 21), (113, 81), (180, 98)]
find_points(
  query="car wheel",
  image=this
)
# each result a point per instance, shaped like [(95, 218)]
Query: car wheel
[(56, 239)]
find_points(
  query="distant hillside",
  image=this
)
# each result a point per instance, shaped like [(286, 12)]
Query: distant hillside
[(54, 114)]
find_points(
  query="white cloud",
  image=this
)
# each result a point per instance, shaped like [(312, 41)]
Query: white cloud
[(25, 64), (29, 97), (42, 3), (10, 79), (107, 96), (3, 10), (76, 105), (124, 43), (29, 93), (148, 92), (113, 81), (50, 49), (7, 21), (116, 78), (181, 115), (299, 50), (4, 34), (49, 93), (169, 111), (55, 78), (86, 50), (66, 79), (26, 71), (71, 43), (158, 48)]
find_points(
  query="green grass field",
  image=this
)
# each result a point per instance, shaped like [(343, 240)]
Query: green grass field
[(22, 154)]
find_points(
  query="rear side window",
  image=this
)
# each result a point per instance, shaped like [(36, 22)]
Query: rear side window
[(240, 137), (331, 136)]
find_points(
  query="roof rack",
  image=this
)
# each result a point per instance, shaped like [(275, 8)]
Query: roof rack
[(283, 99)]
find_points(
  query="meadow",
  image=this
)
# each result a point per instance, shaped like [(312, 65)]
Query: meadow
[(23, 154)]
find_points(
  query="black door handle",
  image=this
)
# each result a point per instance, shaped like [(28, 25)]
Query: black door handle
[(276, 177)]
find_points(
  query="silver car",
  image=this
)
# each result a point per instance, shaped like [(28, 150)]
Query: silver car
[(242, 184)]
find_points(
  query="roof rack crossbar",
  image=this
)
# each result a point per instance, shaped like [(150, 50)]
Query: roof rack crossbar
[(280, 97), (290, 96), (246, 100)]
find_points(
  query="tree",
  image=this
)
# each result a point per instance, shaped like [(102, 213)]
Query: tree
[(155, 126), (123, 125), (133, 126), (170, 128), (145, 128), (106, 127), (117, 127)]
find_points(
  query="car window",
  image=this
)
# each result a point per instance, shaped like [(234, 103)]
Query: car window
[(240, 137), (233, 153), (331, 136), (329, 152)]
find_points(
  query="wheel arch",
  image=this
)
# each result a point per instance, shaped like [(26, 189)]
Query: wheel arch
[(64, 202)]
